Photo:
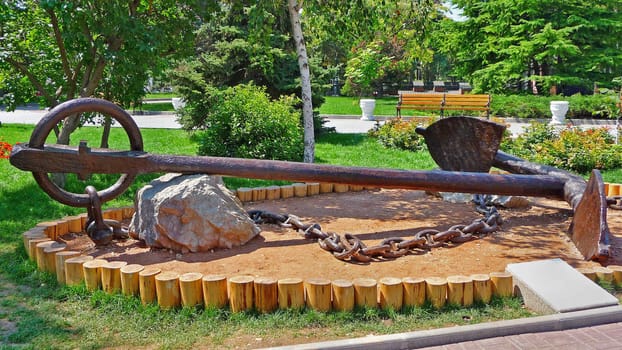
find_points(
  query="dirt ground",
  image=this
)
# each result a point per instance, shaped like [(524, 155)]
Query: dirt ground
[(536, 232)]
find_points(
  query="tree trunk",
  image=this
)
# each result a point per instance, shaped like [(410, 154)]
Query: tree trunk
[(305, 81), (106, 133)]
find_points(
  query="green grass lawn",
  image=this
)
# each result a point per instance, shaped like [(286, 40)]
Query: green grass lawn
[(36, 313)]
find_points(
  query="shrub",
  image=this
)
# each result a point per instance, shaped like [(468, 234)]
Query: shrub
[(527, 106), (569, 148), (246, 124), (400, 134)]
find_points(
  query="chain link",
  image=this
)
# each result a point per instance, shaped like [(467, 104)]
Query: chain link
[(614, 202), (351, 248)]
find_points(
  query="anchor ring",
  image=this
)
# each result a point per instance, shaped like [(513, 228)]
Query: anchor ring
[(71, 107)]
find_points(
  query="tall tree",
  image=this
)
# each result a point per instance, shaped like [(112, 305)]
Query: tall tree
[(66, 49), (507, 43), (294, 9)]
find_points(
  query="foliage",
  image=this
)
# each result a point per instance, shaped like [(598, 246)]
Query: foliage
[(400, 134), (506, 44), (374, 40), (365, 67), (61, 50), (236, 47), (528, 106), (5, 149), (570, 148), (247, 124)]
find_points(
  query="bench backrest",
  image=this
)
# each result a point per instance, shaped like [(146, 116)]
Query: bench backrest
[(421, 99), (467, 100)]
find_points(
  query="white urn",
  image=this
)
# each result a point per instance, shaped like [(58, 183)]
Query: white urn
[(367, 107), (558, 110)]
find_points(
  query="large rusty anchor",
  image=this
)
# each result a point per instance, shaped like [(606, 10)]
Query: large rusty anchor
[(589, 229)]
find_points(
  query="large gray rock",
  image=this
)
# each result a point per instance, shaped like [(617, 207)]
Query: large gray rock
[(193, 213)]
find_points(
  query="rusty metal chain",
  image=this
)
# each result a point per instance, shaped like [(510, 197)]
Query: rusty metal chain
[(614, 202), (350, 248)]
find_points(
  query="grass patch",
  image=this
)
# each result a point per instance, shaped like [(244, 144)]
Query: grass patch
[(156, 107), (40, 314)]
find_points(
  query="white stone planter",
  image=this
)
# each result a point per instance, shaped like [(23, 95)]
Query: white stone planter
[(367, 106), (559, 110), (178, 103)]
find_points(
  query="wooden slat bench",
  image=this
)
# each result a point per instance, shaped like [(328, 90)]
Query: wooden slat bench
[(443, 102), (418, 101), (468, 102)]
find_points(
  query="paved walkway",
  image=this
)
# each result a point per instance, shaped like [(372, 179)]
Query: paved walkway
[(608, 336)]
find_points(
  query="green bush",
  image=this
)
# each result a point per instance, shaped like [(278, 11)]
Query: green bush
[(400, 134), (247, 124), (600, 106), (569, 148)]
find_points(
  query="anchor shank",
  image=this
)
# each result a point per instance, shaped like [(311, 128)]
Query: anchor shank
[(67, 159)]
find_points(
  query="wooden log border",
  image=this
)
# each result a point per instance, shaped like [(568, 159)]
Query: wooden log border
[(288, 291)]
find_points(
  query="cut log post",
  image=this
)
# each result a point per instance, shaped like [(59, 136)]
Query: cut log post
[(365, 292), (93, 273), (167, 289), (287, 191), (191, 289), (128, 213), (49, 228), (60, 259), (273, 193), (147, 285), (245, 194), (129, 279), (391, 293), (74, 273), (75, 224), (240, 293), (113, 214), (614, 190), (326, 187), (215, 291), (341, 188), (266, 294), (502, 284), (482, 288), (32, 247), (436, 291), (459, 290), (617, 274), (588, 272), (356, 188), (414, 291), (35, 233), (111, 276), (49, 256), (603, 274), (258, 194), (62, 228), (313, 188), (40, 253), (300, 190), (318, 294), (291, 293), (343, 295)]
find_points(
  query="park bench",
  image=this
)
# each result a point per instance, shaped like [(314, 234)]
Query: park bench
[(419, 101), (443, 102), (468, 102)]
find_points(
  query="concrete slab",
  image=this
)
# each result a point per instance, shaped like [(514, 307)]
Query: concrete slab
[(553, 286)]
